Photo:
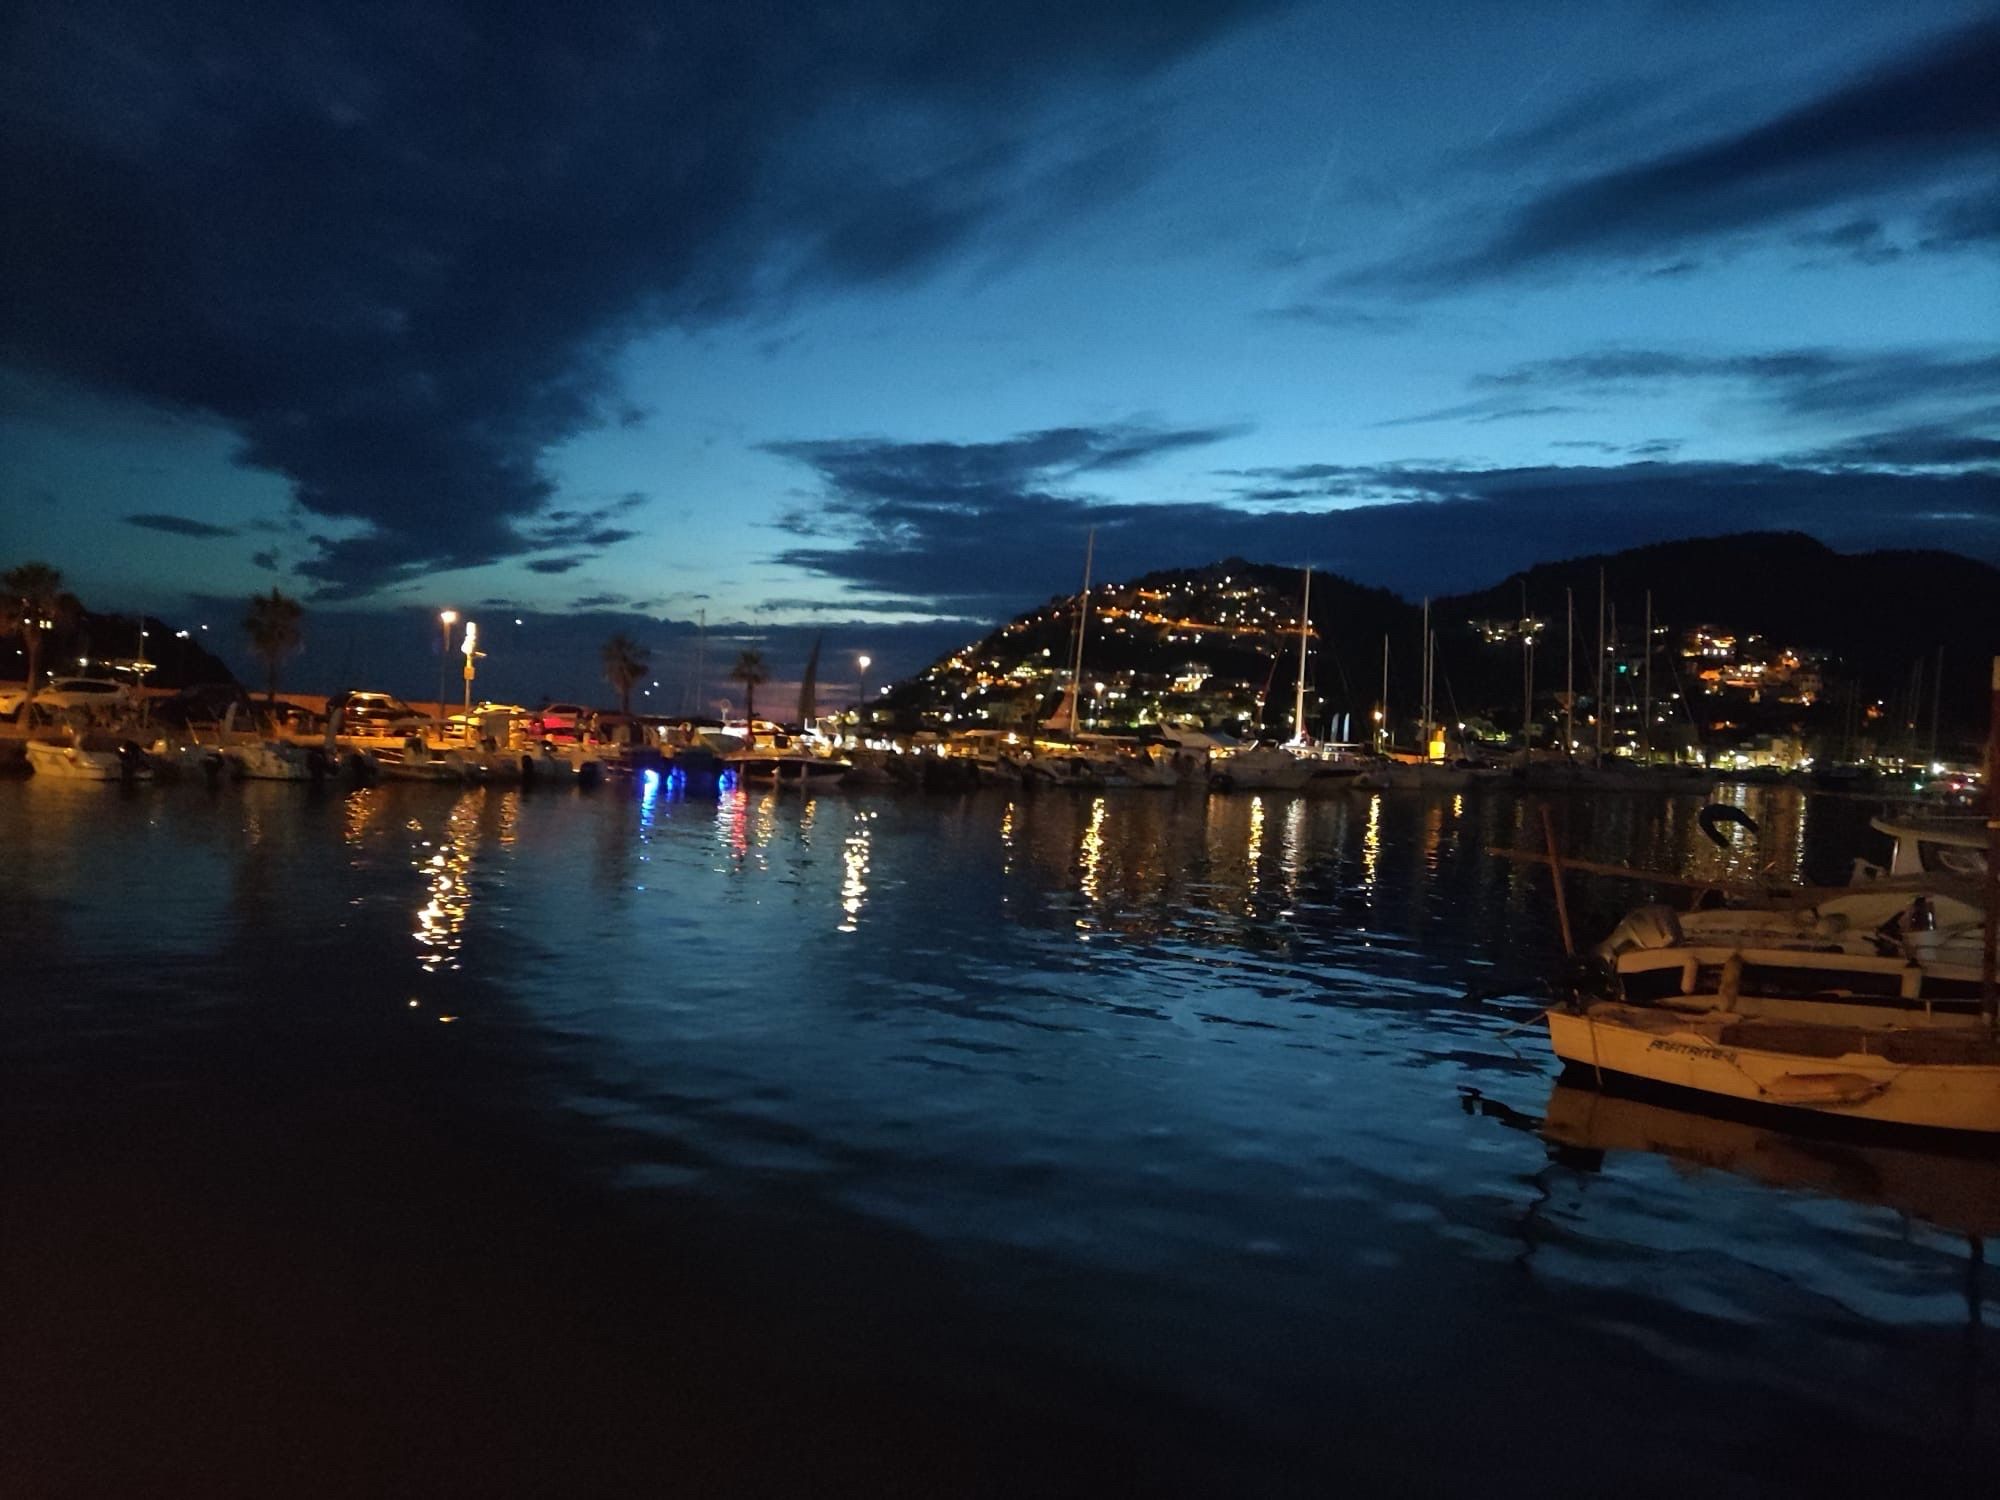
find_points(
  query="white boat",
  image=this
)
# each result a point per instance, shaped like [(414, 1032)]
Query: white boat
[(276, 760), (1258, 768), (416, 760), (785, 767), (1935, 1078), (1898, 947), (89, 757)]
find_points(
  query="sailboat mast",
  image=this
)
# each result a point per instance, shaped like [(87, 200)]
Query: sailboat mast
[(700, 653), (1611, 683), (1382, 733), (1569, 672), (1424, 747), (1597, 698), (1646, 711), (1299, 701), (1082, 629), (1527, 674)]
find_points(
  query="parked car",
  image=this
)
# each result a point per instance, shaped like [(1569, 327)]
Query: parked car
[(92, 693), (11, 700), (375, 713)]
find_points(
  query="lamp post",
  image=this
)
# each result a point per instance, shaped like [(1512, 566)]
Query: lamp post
[(861, 691), (468, 647), (447, 618)]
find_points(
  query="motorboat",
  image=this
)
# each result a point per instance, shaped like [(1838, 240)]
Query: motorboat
[(784, 767), (276, 760), (1258, 768), (89, 757), (415, 759), (1897, 947)]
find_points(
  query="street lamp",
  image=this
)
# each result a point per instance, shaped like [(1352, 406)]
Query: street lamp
[(861, 688), (447, 618), (467, 646)]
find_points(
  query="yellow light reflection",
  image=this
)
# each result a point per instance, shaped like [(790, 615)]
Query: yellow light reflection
[(440, 930), (363, 808), (1090, 853), (1371, 842), (854, 873), (1255, 851)]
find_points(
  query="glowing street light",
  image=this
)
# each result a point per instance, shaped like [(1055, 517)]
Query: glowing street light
[(447, 618), (471, 654), (861, 689)]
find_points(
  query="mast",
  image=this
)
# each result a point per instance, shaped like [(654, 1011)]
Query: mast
[(1597, 699), (1937, 703), (1527, 676), (809, 687), (1299, 702), (1569, 672), (1424, 733), (700, 652), (1646, 713), (1382, 734), (1082, 629), (1611, 685)]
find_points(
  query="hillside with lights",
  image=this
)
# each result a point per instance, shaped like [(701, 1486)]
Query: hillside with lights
[(1757, 638)]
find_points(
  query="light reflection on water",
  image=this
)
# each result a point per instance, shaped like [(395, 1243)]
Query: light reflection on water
[(1145, 1090)]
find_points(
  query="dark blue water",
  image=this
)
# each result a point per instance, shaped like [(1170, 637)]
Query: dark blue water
[(408, 1139)]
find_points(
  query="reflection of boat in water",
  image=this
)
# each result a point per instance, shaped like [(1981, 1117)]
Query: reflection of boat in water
[(1958, 1192)]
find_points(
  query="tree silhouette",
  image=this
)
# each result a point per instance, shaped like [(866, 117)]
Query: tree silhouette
[(626, 664), (32, 602), (749, 670), (273, 628)]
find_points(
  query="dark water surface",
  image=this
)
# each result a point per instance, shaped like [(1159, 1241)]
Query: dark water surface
[(410, 1140)]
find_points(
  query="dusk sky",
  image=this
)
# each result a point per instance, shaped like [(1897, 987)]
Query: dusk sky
[(856, 318)]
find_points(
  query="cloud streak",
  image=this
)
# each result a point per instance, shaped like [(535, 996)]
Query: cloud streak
[(1929, 117), (179, 526)]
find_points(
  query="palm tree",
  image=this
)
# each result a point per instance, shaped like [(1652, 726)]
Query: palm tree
[(273, 628), (749, 670), (32, 602), (626, 664)]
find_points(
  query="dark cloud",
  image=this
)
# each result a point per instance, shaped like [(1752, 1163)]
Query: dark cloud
[(555, 564), (1814, 382), (396, 249), (1489, 410), (903, 481), (1932, 446), (925, 522), (1927, 117), (179, 525), (267, 560), (1344, 317)]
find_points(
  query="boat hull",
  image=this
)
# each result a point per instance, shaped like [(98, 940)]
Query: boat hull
[(1930, 1080), (69, 763)]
